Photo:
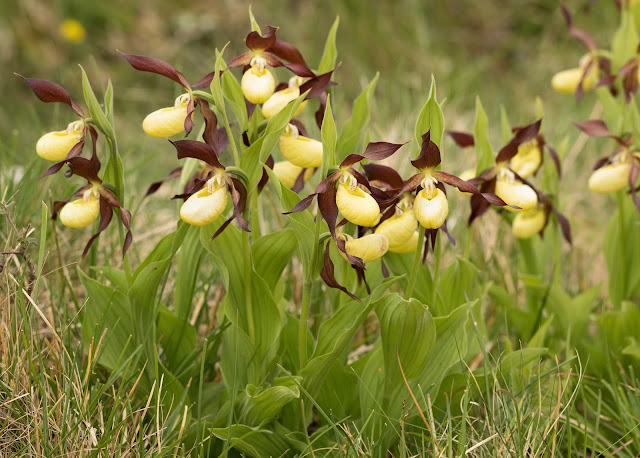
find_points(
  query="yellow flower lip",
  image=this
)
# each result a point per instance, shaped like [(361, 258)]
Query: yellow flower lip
[(408, 246), (368, 248), (398, 229), (431, 210), (567, 81), (299, 150), (258, 82), (81, 212), (356, 205), (610, 178), (526, 224), (167, 122), (288, 173), (515, 193), (527, 160), (54, 146), (281, 99), (205, 206)]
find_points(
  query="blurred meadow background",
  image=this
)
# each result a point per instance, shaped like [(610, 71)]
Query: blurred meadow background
[(504, 55)]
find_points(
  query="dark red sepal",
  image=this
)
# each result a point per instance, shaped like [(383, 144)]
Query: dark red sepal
[(523, 135), (462, 139), (328, 275), (49, 92), (197, 150), (257, 42), (160, 67), (429, 156)]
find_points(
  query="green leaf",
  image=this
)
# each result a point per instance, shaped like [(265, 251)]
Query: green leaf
[(571, 313), (329, 139), (188, 266), (107, 311), (254, 442), (216, 85), (98, 116), (456, 282), (519, 361), (505, 125), (262, 405), (108, 102), (254, 24), (330, 53), (612, 109), (354, 131), (431, 117), (258, 152), (272, 253), (177, 337), (408, 332), (233, 93), (484, 153), (625, 42)]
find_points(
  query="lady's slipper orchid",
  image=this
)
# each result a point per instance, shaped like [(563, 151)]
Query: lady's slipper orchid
[(66, 144), (430, 206), (206, 199), (300, 150), (258, 83), (514, 193), (528, 159), (355, 202), (170, 121), (81, 212), (288, 173), (368, 247), (96, 199), (401, 227), (622, 167), (281, 98), (167, 122), (528, 223), (55, 146)]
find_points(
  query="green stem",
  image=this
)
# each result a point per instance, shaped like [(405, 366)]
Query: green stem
[(248, 299), (306, 297), (416, 264), (255, 226), (556, 253), (623, 239), (114, 155), (436, 268)]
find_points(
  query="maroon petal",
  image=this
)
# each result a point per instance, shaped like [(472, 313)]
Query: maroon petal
[(523, 135), (318, 85), (411, 184), (302, 130), (299, 184), (462, 139), (76, 150), (240, 61), (106, 213), (85, 168), (594, 128), (378, 151), (581, 35), (197, 150), (210, 126), (48, 92), (564, 226), (383, 174), (205, 82), (328, 275), (350, 160), (633, 177), (479, 204), (453, 180), (265, 176), (153, 65), (257, 42), (555, 158), (239, 199), (175, 173), (288, 52), (302, 205), (188, 120), (452, 241), (429, 156), (223, 227)]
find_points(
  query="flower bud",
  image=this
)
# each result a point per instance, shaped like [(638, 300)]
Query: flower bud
[(398, 229), (258, 82), (81, 212), (610, 178), (528, 159), (167, 122), (288, 173), (301, 151), (517, 194), (368, 248), (281, 99), (54, 146), (357, 206), (528, 223), (409, 246), (204, 208), (431, 210)]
